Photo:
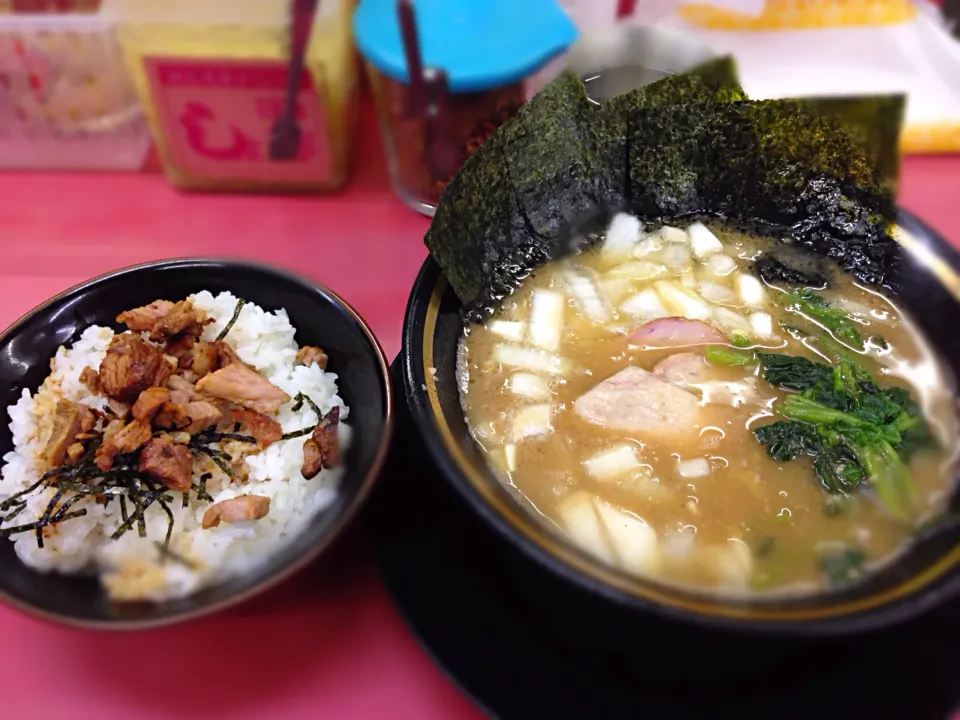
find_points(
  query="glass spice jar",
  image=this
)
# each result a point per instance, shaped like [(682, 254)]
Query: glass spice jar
[(469, 119), (485, 51)]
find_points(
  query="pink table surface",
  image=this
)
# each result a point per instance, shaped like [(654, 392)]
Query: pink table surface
[(328, 644)]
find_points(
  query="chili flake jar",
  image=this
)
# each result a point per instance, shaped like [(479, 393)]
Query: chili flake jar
[(487, 50)]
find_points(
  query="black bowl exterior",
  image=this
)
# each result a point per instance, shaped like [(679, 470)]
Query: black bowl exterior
[(924, 577), (320, 317)]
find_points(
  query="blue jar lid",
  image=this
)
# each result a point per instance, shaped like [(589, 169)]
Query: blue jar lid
[(481, 44)]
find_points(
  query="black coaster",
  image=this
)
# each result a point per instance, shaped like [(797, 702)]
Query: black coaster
[(524, 645)]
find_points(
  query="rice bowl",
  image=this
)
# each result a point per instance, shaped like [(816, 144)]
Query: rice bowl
[(130, 567)]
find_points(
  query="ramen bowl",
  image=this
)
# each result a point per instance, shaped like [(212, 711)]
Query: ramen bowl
[(924, 576)]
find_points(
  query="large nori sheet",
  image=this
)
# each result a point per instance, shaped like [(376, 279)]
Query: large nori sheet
[(687, 145), (873, 121)]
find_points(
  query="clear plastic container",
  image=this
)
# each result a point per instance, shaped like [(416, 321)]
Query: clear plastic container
[(212, 79), (477, 56), (66, 101), (469, 119)]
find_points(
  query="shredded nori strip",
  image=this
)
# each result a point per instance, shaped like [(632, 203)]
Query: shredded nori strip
[(39, 524), (13, 499), (45, 518), (298, 433), (236, 314), (166, 552), (123, 509), (301, 398)]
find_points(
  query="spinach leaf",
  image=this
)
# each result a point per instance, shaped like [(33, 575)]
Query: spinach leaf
[(843, 568), (786, 440), (833, 319), (793, 373)]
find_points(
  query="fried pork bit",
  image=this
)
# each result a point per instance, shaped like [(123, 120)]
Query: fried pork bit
[(322, 449), (75, 451), (118, 409), (310, 355), (172, 416), (132, 436), (150, 402), (165, 320), (237, 509), (130, 366), (265, 430), (168, 462), (181, 348), (69, 420), (244, 386), (91, 379), (226, 355), (202, 415), (182, 390), (143, 319), (204, 359)]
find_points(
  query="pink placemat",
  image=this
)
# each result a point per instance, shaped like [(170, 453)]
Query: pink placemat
[(328, 644)]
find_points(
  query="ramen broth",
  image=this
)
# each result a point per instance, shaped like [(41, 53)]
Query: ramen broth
[(685, 493)]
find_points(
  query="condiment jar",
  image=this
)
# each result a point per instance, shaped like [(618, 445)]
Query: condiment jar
[(212, 77), (486, 51)]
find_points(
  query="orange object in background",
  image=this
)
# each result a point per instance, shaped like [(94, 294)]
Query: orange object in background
[(801, 14), (212, 81)]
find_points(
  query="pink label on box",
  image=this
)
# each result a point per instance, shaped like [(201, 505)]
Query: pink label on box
[(217, 116)]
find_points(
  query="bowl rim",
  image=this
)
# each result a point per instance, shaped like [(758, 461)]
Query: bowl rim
[(340, 522), (914, 596)]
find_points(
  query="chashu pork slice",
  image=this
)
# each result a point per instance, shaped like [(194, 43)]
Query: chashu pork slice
[(639, 402)]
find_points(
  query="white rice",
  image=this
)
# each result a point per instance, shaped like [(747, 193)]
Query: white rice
[(131, 567)]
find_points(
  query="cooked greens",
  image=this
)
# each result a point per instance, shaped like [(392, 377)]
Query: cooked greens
[(853, 431)]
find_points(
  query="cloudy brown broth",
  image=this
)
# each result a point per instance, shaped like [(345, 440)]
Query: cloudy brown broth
[(702, 505)]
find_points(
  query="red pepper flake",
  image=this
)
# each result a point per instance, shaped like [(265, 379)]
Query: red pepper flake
[(470, 119)]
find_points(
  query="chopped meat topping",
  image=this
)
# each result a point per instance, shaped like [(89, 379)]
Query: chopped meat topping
[(265, 430), (244, 386), (226, 355), (131, 366), (150, 402), (69, 420), (204, 359), (167, 462), (181, 347), (133, 435), (145, 318), (310, 355), (91, 379), (237, 509), (202, 415), (172, 416), (322, 448), (164, 320), (75, 451), (182, 391), (118, 409)]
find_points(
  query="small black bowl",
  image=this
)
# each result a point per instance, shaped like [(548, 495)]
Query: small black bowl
[(320, 317), (924, 577)]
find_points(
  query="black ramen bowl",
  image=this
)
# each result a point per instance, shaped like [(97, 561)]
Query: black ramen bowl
[(320, 317), (925, 576)]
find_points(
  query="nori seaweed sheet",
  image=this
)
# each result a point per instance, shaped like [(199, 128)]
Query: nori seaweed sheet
[(667, 150), (771, 164), (712, 81), (551, 167), (873, 121)]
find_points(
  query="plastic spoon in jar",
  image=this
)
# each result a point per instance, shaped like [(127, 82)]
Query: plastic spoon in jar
[(443, 156), (285, 136), (416, 105)]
